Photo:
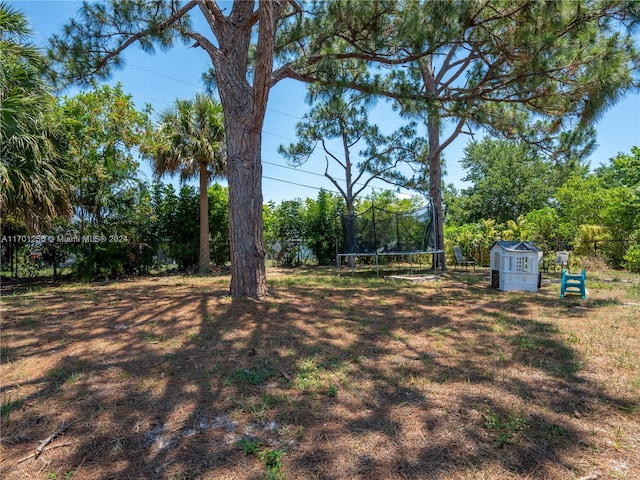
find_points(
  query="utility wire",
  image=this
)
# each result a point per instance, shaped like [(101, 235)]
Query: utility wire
[(299, 184), (201, 89), (295, 169)]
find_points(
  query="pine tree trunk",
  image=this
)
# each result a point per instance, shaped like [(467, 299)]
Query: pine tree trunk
[(244, 105), (244, 168), (435, 185), (244, 176), (203, 264), (244, 117)]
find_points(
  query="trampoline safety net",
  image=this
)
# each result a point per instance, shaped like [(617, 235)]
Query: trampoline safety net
[(380, 231)]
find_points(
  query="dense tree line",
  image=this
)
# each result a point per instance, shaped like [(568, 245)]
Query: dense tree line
[(153, 228), (596, 215), (297, 231), (70, 183), (517, 193)]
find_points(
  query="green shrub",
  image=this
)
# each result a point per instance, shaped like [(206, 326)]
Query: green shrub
[(632, 259)]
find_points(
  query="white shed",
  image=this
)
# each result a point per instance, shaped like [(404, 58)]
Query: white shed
[(514, 266)]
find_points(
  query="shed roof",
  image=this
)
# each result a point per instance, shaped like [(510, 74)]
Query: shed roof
[(515, 246)]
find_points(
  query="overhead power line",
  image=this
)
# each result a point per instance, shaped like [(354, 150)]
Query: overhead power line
[(299, 184), (201, 89), (328, 189), (296, 169)]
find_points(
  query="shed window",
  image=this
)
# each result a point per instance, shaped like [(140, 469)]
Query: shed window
[(522, 264)]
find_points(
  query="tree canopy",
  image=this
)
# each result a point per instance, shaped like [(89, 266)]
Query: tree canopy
[(508, 179), (104, 126), (34, 174), (365, 152)]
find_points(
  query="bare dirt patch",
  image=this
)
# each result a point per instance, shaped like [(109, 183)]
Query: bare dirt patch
[(330, 378)]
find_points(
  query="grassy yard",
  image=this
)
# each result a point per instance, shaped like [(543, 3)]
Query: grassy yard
[(329, 378)]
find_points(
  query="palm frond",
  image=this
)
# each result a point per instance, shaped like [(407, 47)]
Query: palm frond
[(190, 132)]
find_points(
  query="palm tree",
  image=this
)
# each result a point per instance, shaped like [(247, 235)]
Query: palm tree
[(34, 175), (191, 143)]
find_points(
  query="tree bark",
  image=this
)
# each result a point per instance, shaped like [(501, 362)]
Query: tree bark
[(244, 170), (435, 188), (204, 260), (244, 107), (434, 159)]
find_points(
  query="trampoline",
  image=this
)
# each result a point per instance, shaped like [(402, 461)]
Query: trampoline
[(377, 233)]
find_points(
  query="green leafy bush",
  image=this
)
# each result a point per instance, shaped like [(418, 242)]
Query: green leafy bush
[(632, 259)]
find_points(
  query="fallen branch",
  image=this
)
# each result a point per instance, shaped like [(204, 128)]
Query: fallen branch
[(36, 453), (43, 443), (63, 428)]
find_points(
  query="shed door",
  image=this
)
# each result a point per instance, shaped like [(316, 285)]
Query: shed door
[(495, 278)]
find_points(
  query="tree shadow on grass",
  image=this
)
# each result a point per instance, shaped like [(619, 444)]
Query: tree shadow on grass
[(177, 381)]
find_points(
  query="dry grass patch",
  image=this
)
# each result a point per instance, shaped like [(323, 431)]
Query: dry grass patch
[(329, 378)]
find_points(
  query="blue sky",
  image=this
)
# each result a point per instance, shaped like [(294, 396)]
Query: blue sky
[(161, 78)]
